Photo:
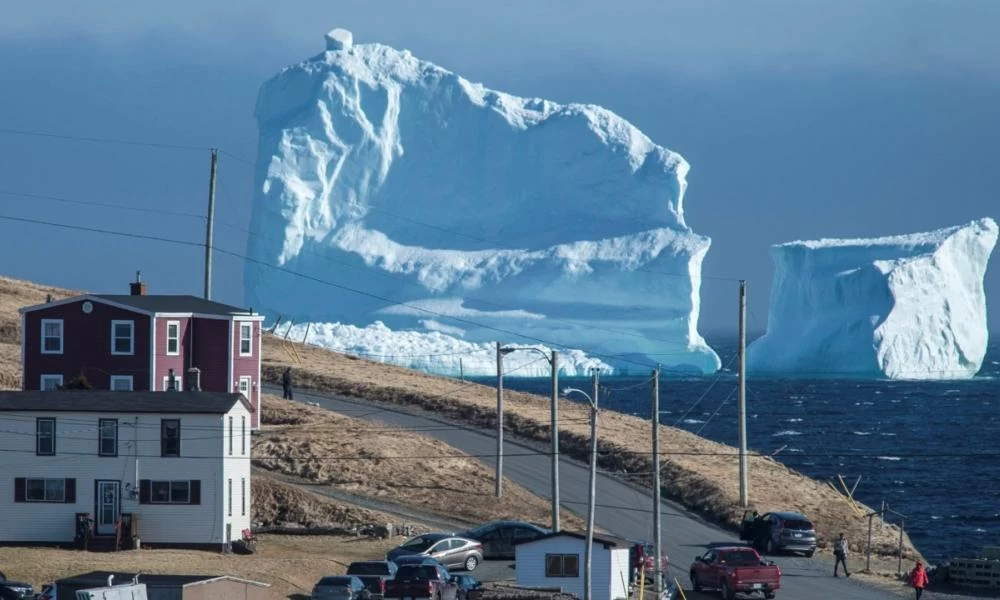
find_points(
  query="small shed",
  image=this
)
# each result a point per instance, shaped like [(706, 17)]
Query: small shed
[(170, 587), (556, 560)]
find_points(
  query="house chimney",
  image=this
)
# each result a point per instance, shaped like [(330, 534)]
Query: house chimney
[(194, 379), (137, 287), (171, 381)]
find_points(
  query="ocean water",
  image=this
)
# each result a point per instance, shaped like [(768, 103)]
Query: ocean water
[(929, 450)]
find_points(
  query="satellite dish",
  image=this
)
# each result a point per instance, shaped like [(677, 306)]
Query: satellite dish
[(88, 307)]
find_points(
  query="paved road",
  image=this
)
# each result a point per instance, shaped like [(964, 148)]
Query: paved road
[(621, 508)]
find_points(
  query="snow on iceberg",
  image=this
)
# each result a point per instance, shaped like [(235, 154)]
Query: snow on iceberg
[(902, 307), (436, 205)]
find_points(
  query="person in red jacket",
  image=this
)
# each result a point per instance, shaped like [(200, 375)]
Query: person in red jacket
[(918, 578)]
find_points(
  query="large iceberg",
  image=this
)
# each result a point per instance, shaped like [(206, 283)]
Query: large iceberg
[(902, 307), (392, 190)]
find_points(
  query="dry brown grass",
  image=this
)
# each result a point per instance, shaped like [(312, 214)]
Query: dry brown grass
[(291, 564), (357, 456), (278, 503), (698, 473)]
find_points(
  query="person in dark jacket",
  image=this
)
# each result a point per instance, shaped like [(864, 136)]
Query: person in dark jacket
[(286, 383)]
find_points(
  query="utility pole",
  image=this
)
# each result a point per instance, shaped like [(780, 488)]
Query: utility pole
[(744, 493), (210, 224), (499, 476), (593, 492), (656, 479), (555, 441)]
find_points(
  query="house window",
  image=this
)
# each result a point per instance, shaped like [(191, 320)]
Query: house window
[(170, 437), (52, 336), (173, 338), (45, 437), (50, 382), (122, 337), (230, 499), (562, 565), (243, 435), (246, 339), (170, 492), (245, 386), (243, 496), (178, 382), (231, 430), (45, 490), (121, 383), (108, 437)]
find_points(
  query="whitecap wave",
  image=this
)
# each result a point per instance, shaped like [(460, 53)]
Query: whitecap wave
[(786, 432)]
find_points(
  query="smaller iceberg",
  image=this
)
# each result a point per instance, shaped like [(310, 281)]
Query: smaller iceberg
[(901, 307)]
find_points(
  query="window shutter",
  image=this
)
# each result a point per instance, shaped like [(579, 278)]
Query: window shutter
[(144, 488), (70, 491), (19, 489), (195, 491)]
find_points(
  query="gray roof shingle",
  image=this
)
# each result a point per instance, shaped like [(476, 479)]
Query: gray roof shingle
[(167, 303), (105, 401)]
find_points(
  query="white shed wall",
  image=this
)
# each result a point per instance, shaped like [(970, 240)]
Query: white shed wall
[(530, 567)]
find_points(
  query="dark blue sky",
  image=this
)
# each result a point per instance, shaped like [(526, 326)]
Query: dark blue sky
[(800, 119)]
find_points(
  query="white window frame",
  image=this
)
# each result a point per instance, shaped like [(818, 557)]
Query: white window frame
[(62, 336), (170, 491), (243, 435), (243, 496), (127, 378), (178, 378), (57, 496), (232, 432), (131, 338), (248, 339), (176, 339), (248, 380), (229, 499), (53, 377)]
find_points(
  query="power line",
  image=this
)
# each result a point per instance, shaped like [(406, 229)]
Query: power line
[(80, 138), (102, 204)]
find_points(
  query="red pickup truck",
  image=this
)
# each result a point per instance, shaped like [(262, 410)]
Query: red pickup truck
[(735, 570)]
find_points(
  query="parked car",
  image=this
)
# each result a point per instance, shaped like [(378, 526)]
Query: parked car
[(466, 583), (15, 590), (374, 574), (735, 570), (498, 537), (339, 587), (776, 531), (422, 581), (451, 551)]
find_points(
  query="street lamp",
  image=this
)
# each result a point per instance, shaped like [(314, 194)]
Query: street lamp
[(553, 361), (593, 482), (498, 491)]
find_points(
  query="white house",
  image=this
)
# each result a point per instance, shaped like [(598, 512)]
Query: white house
[(556, 561), (178, 461)]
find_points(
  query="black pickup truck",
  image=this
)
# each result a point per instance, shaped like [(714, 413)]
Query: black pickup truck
[(375, 574), (15, 590), (422, 581)]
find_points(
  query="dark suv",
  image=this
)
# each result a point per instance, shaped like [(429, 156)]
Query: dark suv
[(776, 531)]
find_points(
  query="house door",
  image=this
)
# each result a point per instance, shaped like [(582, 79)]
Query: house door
[(108, 500)]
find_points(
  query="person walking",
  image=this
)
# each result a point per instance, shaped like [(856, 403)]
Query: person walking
[(919, 579), (286, 383), (840, 553)]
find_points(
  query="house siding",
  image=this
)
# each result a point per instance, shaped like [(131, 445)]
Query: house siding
[(165, 362), (211, 352), (138, 458), (236, 467), (248, 366), (86, 346), (530, 567)]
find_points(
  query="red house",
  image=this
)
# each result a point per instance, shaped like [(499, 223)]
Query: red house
[(139, 341)]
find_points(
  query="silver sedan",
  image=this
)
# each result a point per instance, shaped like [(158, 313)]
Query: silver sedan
[(451, 551)]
